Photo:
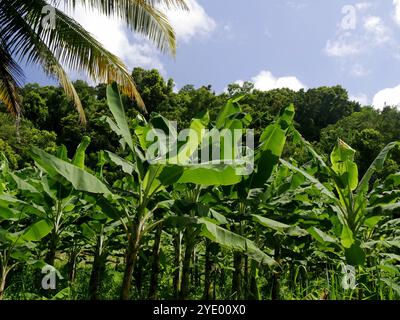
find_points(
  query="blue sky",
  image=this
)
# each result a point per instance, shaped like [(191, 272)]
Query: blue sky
[(275, 43)]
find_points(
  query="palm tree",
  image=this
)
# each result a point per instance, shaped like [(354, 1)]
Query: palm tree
[(69, 45)]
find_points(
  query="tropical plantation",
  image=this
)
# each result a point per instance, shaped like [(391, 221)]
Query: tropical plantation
[(310, 212)]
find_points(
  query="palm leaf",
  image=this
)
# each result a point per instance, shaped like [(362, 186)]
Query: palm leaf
[(142, 16), (10, 77), (35, 50), (70, 45)]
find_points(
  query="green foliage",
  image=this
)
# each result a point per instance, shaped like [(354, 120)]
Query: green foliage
[(154, 90), (368, 131), (34, 106), (115, 225), (26, 137), (11, 156), (351, 201)]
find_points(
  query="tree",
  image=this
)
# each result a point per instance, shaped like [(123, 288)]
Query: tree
[(66, 44), (29, 136), (368, 131), (389, 123), (11, 156), (320, 107), (189, 103), (152, 87), (35, 108)]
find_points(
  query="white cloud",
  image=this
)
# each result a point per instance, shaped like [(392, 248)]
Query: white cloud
[(188, 24), (352, 43), (239, 82), (358, 70), (342, 47), (134, 50), (265, 81), (397, 11), (363, 5), (376, 30), (387, 97), (176, 87), (361, 98), (369, 33)]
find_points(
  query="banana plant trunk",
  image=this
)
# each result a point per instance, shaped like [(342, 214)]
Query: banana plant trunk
[(3, 277), (246, 274), (97, 270), (155, 269), (196, 271), (51, 253), (138, 276), (254, 293), (237, 275), (131, 258), (207, 272), (276, 288), (189, 249), (177, 264), (72, 265)]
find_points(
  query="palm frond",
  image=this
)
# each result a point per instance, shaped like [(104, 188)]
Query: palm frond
[(69, 44), (76, 49), (142, 16), (10, 78), (40, 53), (53, 68), (180, 4)]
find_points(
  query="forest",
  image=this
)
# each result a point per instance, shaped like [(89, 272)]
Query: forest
[(317, 218)]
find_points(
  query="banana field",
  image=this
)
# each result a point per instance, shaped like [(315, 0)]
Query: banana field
[(278, 225)]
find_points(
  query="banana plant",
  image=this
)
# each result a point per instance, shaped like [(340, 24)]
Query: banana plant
[(21, 227), (65, 193), (382, 237), (283, 211), (270, 148), (349, 197), (60, 205), (208, 177), (97, 233), (145, 181)]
